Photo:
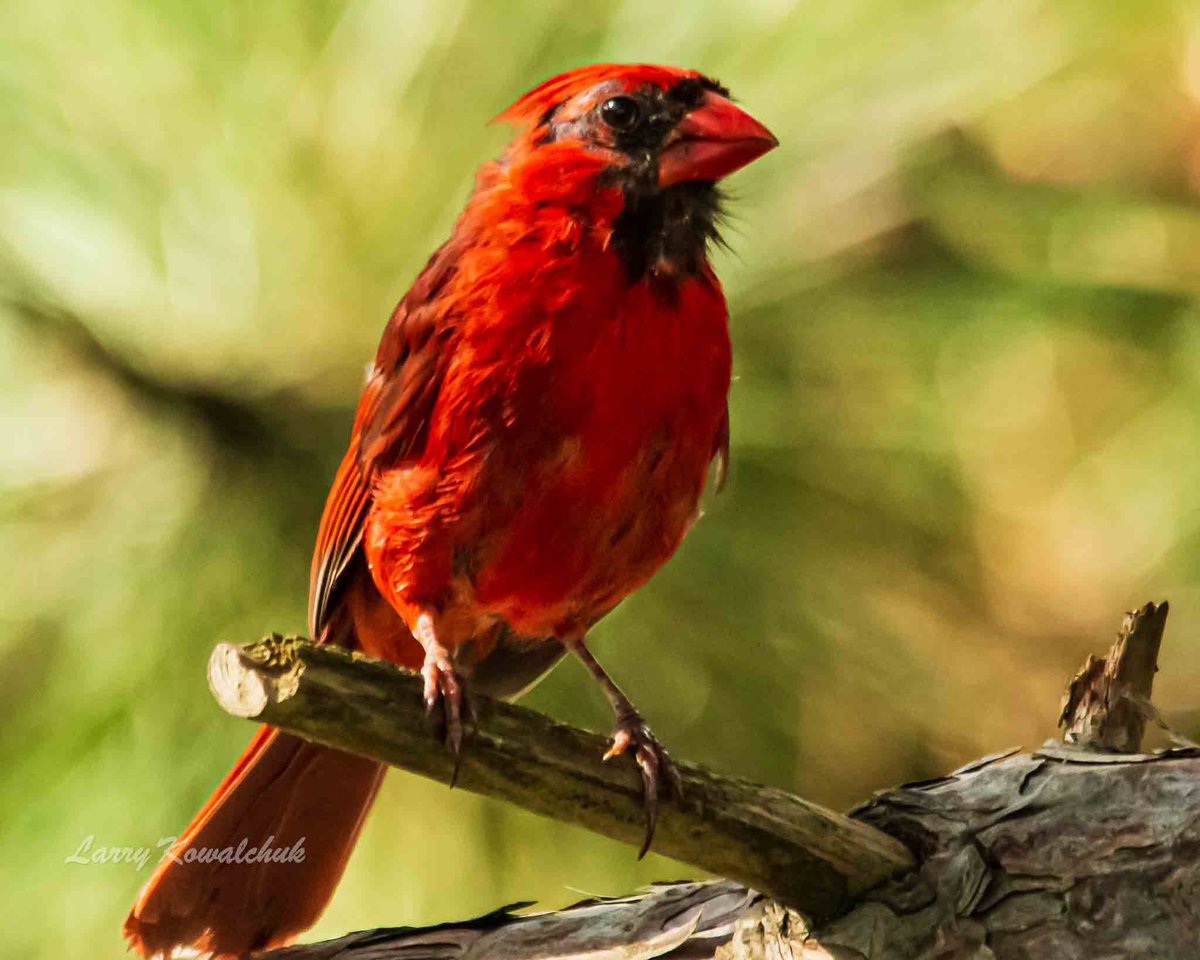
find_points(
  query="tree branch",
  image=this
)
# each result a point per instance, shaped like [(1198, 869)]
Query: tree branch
[(1063, 852), (800, 854)]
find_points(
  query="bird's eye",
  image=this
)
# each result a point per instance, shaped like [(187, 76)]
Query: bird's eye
[(620, 113)]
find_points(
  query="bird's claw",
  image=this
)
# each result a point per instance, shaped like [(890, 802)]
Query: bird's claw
[(444, 687), (659, 773)]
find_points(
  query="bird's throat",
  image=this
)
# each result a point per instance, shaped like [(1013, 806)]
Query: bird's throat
[(666, 233)]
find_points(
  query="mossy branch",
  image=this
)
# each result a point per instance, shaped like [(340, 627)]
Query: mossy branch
[(793, 851)]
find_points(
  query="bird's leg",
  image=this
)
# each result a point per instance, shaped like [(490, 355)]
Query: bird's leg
[(443, 686), (659, 773)]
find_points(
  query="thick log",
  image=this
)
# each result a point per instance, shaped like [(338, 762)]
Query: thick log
[(1055, 855)]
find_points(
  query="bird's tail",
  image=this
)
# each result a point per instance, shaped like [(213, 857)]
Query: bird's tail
[(261, 859)]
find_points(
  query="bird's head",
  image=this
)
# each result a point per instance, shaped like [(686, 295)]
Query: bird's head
[(657, 138), (658, 126)]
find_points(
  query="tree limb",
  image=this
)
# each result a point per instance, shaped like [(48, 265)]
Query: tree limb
[(1066, 852), (800, 854)]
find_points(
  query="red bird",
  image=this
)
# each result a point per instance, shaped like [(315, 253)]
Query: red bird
[(531, 445)]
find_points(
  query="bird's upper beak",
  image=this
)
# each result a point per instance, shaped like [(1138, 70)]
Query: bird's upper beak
[(711, 142)]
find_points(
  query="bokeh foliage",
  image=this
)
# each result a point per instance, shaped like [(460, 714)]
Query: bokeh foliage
[(965, 423)]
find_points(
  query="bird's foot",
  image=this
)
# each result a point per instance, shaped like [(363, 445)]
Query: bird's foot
[(446, 698), (660, 776)]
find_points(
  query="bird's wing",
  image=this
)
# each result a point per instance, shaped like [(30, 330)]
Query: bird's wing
[(391, 425), (338, 537)]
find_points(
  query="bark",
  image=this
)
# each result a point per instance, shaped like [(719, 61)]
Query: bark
[(1053, 855)]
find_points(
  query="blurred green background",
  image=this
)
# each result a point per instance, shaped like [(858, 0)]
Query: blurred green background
[(965, 420)]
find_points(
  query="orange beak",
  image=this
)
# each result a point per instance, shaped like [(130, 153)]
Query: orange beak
[(712, 142)]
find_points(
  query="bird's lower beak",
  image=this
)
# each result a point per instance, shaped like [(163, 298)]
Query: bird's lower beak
[(712, 142)]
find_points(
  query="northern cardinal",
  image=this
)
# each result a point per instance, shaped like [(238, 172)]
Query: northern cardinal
[(531, 445)]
